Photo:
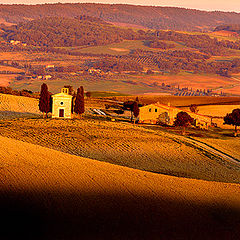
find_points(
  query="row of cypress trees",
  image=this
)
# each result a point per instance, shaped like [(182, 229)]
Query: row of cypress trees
[(45, 101)]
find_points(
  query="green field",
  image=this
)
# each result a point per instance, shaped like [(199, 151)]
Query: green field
[(123, 48)]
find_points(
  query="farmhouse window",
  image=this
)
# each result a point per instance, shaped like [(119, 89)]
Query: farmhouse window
[(150, 109), (155, 109)]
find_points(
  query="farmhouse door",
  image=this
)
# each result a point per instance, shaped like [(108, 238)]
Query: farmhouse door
[(61, 112)]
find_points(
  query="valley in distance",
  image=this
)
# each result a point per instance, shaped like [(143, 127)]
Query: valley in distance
[(119, 122)]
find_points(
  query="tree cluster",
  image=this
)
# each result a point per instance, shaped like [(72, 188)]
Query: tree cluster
[(159, 44), (233, 118), (184, 120)]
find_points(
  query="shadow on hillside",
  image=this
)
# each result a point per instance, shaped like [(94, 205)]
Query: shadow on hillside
[(47, 215)]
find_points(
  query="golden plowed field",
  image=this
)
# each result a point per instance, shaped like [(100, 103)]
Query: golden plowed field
[(122, 144), (46, 194)]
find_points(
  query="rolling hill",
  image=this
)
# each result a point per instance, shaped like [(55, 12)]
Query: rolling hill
[(113, 142), (46, 194), (146, 16), (123, 144), (17, 106)]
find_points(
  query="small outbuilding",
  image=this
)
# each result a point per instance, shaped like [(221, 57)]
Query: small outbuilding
[(62, 104)]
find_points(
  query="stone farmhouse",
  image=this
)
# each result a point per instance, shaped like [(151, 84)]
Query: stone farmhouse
[(62, 104), (159, 113)]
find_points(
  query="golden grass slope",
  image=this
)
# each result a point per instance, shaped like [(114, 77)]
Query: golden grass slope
[(123, 144), (11, 106), (46, 194)]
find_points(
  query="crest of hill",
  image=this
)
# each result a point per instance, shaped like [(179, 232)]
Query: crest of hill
[(146, 16), (56, 195)]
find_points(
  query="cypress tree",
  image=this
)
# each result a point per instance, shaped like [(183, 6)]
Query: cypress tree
[(44, 101), (79, 102), (135, 110), (82, 105)]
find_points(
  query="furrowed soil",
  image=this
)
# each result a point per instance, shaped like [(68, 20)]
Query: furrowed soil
[(47, 194), (122, 144)]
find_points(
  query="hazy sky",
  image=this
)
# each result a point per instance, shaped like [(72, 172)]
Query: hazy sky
[(224, 5)]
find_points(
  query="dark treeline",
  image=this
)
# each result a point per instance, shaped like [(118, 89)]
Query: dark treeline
[(229, 27), (24, 92), (147, 16), (202, 42)]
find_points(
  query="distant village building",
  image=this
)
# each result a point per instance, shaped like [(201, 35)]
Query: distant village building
[(47, 77), (50, 66), (62, 104), (159, 113), (13, 42)]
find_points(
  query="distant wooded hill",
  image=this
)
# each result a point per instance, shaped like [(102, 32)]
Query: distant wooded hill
[(147, 16), (91, 31), (65, 32)]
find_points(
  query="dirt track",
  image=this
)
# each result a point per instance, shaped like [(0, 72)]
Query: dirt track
[(48, 194)]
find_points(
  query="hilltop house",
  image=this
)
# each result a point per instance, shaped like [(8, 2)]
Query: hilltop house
[(159, 113), (62, 104)]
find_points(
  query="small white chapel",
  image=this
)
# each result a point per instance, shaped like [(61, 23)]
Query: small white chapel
[(62, 104)]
